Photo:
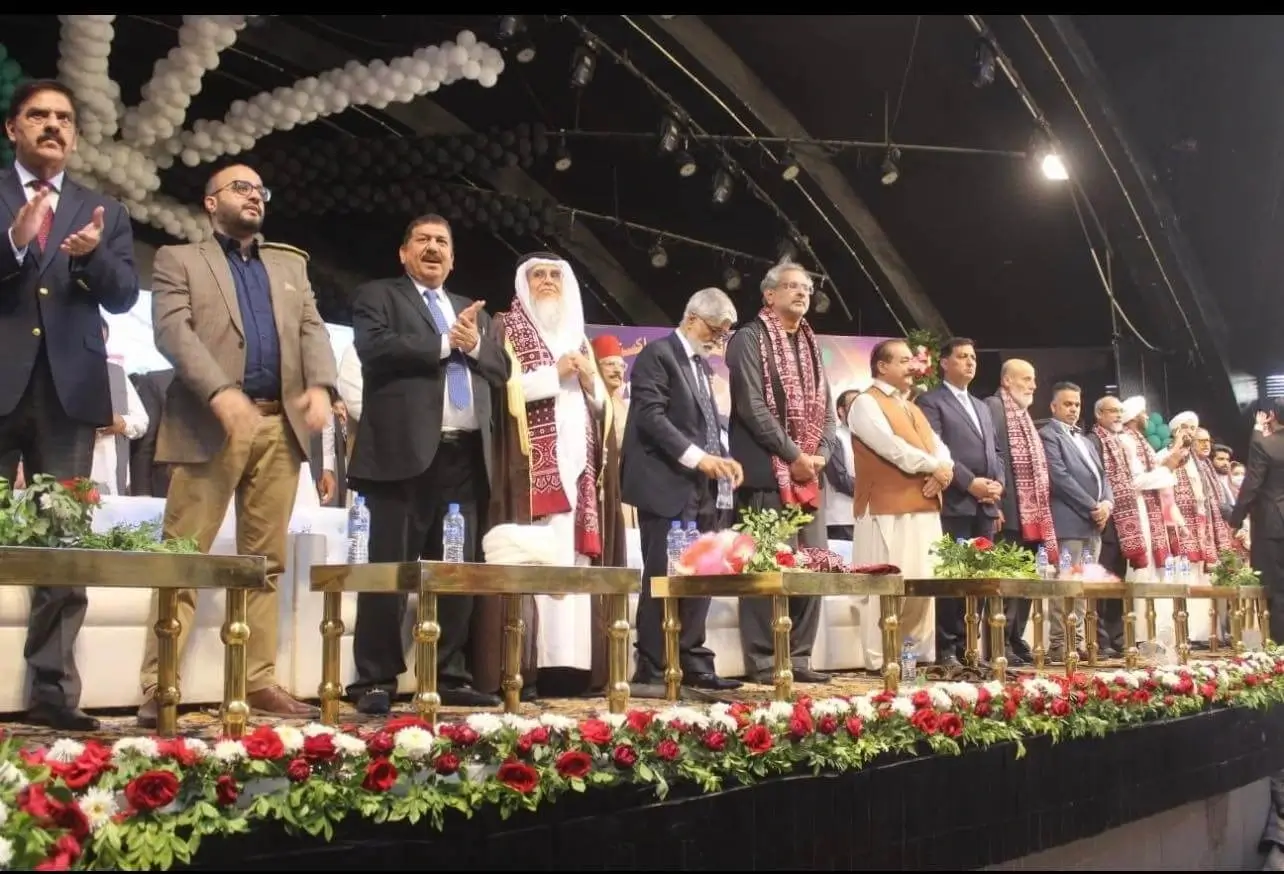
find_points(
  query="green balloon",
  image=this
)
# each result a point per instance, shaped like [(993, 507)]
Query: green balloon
[(1155, 442), (1165, 433), (4, 53)]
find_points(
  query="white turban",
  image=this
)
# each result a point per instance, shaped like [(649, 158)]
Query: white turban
[(1186, 417), (1133, 407), (569, 335)]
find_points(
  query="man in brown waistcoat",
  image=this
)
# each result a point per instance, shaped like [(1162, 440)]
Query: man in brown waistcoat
[(902, 468)]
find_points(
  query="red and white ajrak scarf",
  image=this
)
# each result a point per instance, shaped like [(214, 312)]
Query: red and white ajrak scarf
[(1030, 470), (803, 384)]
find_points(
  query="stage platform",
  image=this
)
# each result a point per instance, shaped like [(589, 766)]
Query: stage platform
[(943, 776)]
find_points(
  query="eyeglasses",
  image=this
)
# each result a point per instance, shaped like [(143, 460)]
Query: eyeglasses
[(805, 287), (245, 189)]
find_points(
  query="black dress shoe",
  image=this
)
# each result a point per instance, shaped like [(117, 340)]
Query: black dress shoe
[(948, 660), (61, 718), (807, 675), (710, 681), (374, 702), (530, 694), (467, 696)]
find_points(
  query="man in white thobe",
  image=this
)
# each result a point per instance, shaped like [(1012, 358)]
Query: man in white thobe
[(901, 468)]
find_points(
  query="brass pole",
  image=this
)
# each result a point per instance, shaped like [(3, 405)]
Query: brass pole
[(1090, 619), (889, 621), (672, 657), (998, 646), (1072, 636), (1130, 634), (167, 693), (236, 633), (618, 656), (427, 633), (332, 629), (1036, 628), (1181, 621), (781, 625), (511, 669)]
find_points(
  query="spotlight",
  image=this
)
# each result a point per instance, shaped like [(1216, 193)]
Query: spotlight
[(790, 168), (1054, 168), (659, 257), (731, 279), (686, 165), (509, 26), (670, 136), (984, 64), (562, 161), (820, 303), (722, 183), (525, 50), (890, 171), (787, 250), (583, 66)]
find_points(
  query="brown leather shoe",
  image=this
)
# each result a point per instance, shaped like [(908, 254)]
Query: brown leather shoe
[(275, 701)]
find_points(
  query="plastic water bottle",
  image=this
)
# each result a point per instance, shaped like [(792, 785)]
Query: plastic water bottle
[(909, 661), (1170, 570), (358, 531), (452, 536), (1041, 562), (676, 544), (1087, 557), (1063, 572), (692, 534), (724, 501), (1183, 570)]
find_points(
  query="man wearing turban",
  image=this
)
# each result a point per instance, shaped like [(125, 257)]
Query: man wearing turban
[(610, 363), (557, 468)]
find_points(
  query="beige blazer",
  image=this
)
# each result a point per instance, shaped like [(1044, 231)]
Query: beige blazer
[(197, 326)]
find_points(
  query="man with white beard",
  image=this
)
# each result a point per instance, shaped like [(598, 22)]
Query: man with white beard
[(556, 469), (1152, 482), (1025, 508)]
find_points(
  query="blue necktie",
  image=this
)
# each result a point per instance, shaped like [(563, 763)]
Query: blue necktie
[(712, 437), (457, 387)]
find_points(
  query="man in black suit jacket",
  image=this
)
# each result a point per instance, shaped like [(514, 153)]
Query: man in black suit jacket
[(69, 252), (970, 503), (147, 477), (671, 465), (428, 364), (1261, 501)]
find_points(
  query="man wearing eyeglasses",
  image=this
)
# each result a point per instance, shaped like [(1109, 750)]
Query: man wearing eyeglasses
[(254, 378)]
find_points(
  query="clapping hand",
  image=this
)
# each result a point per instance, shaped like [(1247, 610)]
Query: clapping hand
[(86, 239), (26, 224), (464, 334)]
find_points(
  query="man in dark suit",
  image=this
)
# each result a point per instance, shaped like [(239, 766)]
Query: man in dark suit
[(970, 503), (672, 468), (69, 252), (1081, 502), (147, 477), (1261, 501), (1116, 552), (428, 364)]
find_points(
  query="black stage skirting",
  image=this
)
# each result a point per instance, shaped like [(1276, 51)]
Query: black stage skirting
[(932, 812)]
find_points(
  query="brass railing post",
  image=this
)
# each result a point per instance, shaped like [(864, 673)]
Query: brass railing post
[(236, 633), (331, 690)]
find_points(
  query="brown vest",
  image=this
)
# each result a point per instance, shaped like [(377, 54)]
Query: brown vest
[(883, 489)]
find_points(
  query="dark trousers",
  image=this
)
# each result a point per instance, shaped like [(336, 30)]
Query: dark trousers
[(1268, 557), (405, 525), (47, 440), (950, 631), (1017, 610), (840, 532), (653, 531), (756, 636), (1110, 611)]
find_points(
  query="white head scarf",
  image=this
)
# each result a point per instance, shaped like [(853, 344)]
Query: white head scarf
[(569, 335), (1133, 407), (1186, 417)]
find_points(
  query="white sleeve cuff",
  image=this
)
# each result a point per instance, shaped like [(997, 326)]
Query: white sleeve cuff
[(692, 457)]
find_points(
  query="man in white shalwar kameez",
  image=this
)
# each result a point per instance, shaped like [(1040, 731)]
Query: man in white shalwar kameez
[(902, 467)]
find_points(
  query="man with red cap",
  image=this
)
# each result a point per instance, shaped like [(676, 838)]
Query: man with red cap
[(609, 353)]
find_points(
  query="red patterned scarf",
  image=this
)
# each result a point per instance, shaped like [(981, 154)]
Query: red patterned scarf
[(1194, 539), (1030, 470), (804, 390), (1154, 503), (1125, 516), (548, 493), (1222, 537)]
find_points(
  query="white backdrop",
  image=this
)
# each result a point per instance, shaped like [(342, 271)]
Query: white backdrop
[(130, 340)]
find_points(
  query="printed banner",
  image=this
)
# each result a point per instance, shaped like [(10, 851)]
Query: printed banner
[(846, 359)]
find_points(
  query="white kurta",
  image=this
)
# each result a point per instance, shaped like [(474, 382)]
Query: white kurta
[(905, 540), (565, 623)]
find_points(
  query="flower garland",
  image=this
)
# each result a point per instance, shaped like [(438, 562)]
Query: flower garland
[(151, 135), (147, 803), (926, 348)]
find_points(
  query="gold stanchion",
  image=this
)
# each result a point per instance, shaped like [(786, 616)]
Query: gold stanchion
[(1039, 652), (998, 650), (889, 622), (167, 693), (1181, 623), (1090, 619), (514, 635), (236, 634), (971, 631), (1072, 636), (331, 689), (672, 655), (427, 634), (618, 658), (781, 625)]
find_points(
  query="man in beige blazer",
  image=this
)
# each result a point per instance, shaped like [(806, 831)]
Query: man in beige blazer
[(254, 379)]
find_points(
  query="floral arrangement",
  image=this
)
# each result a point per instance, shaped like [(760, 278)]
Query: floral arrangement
[(927, 354), (981, 558), (59, 513), (758, 543), (1233, 570), (146, 803)]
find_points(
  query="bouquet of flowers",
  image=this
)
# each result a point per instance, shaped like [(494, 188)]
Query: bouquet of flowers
[(758, 543), (1233, 570), (981, 558)]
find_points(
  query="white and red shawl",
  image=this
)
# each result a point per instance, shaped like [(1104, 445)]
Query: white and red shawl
[(1030, 470), (803, 383), (1132, 542)]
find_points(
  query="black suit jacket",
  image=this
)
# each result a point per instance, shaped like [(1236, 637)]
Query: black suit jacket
[(148, 477), (664, 421), (1261, 497), (52, 299), (975, 453), (404, 381)]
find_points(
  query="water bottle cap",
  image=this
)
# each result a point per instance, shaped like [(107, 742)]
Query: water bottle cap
[(359, 501), (676, 525), (691, 526), (453, 508)]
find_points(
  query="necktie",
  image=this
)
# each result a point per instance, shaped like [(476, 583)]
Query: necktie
[(42, 236), (457, 388), (712, 437)]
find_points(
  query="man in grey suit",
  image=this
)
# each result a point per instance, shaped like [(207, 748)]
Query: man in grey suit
[(1081, 499)]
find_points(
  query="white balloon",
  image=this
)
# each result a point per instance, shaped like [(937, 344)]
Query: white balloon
[(472, 70), (466, 38), (488, 79)]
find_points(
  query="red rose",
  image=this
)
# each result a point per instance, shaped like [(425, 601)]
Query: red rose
[(981, 544), (921, 699), (595, 731), (668, 750), (381, 774), (298, 770), (518, 776), (1060, 707), (226, 790), (151, 790), (446, 764), (925, 721), (380, 743), (1208, 691), (263, 743), (757, 739), (178, 750), (714, 741), (62, 855), (574, 764), (786, 559), (950, 725), (464, 736), (92, 497), (79, 774), (34, 800), (392, 726), (536, 737), (638, 720), (319, 748), (624, 757), (827, 724)]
